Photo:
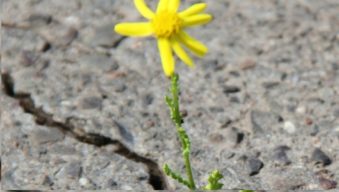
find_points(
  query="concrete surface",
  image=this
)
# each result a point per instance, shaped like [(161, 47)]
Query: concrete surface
[(83, 108)]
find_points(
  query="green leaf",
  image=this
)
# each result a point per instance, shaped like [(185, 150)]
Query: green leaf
[(213, 181), (175, 176), (169, 101)]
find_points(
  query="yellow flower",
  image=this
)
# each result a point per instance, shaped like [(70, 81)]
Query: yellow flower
[(167, 26)]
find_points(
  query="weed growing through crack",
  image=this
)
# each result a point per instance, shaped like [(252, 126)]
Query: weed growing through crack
[(167, 26), (173, 104)]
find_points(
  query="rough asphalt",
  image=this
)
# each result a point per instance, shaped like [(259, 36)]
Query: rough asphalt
[(83, 108)]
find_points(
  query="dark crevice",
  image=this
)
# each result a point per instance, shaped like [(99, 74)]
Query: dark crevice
[(156, 179), (46, 47), (117, 42)]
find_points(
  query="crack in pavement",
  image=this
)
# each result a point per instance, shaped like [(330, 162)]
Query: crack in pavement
[(157, 179)]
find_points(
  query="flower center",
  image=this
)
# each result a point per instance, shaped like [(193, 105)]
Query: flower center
[(166, 24)]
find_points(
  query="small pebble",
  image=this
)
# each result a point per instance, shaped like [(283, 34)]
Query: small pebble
[(127, 188), (254, 165), (289, 127), (308, 121), (301, 110), (47, 181), (327, 183), (38, 20), (42, 46), (280, 156), (124, 132), (240, 137), (228, 89), (83, 181), (247, 64), (147, 99), (183, 112), (112, 183), (320, 157), (315, 130)]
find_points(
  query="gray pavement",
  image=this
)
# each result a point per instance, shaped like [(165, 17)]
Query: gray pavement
[(82, 108)]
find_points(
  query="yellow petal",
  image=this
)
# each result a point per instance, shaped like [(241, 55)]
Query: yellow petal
[(199, 19), (194, 9), (194, 45), (143, 9), (162, 5), (134, 29), (174, 5), (166, 56), (181, 53)]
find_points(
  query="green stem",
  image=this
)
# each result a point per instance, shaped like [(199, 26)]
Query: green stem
[(176, 117), (189, 169), (173, 104)]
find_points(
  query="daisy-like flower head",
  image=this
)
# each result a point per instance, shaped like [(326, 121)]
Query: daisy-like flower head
[(167, 26)]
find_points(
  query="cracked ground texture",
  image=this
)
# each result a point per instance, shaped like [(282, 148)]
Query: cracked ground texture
[(83, 108)]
